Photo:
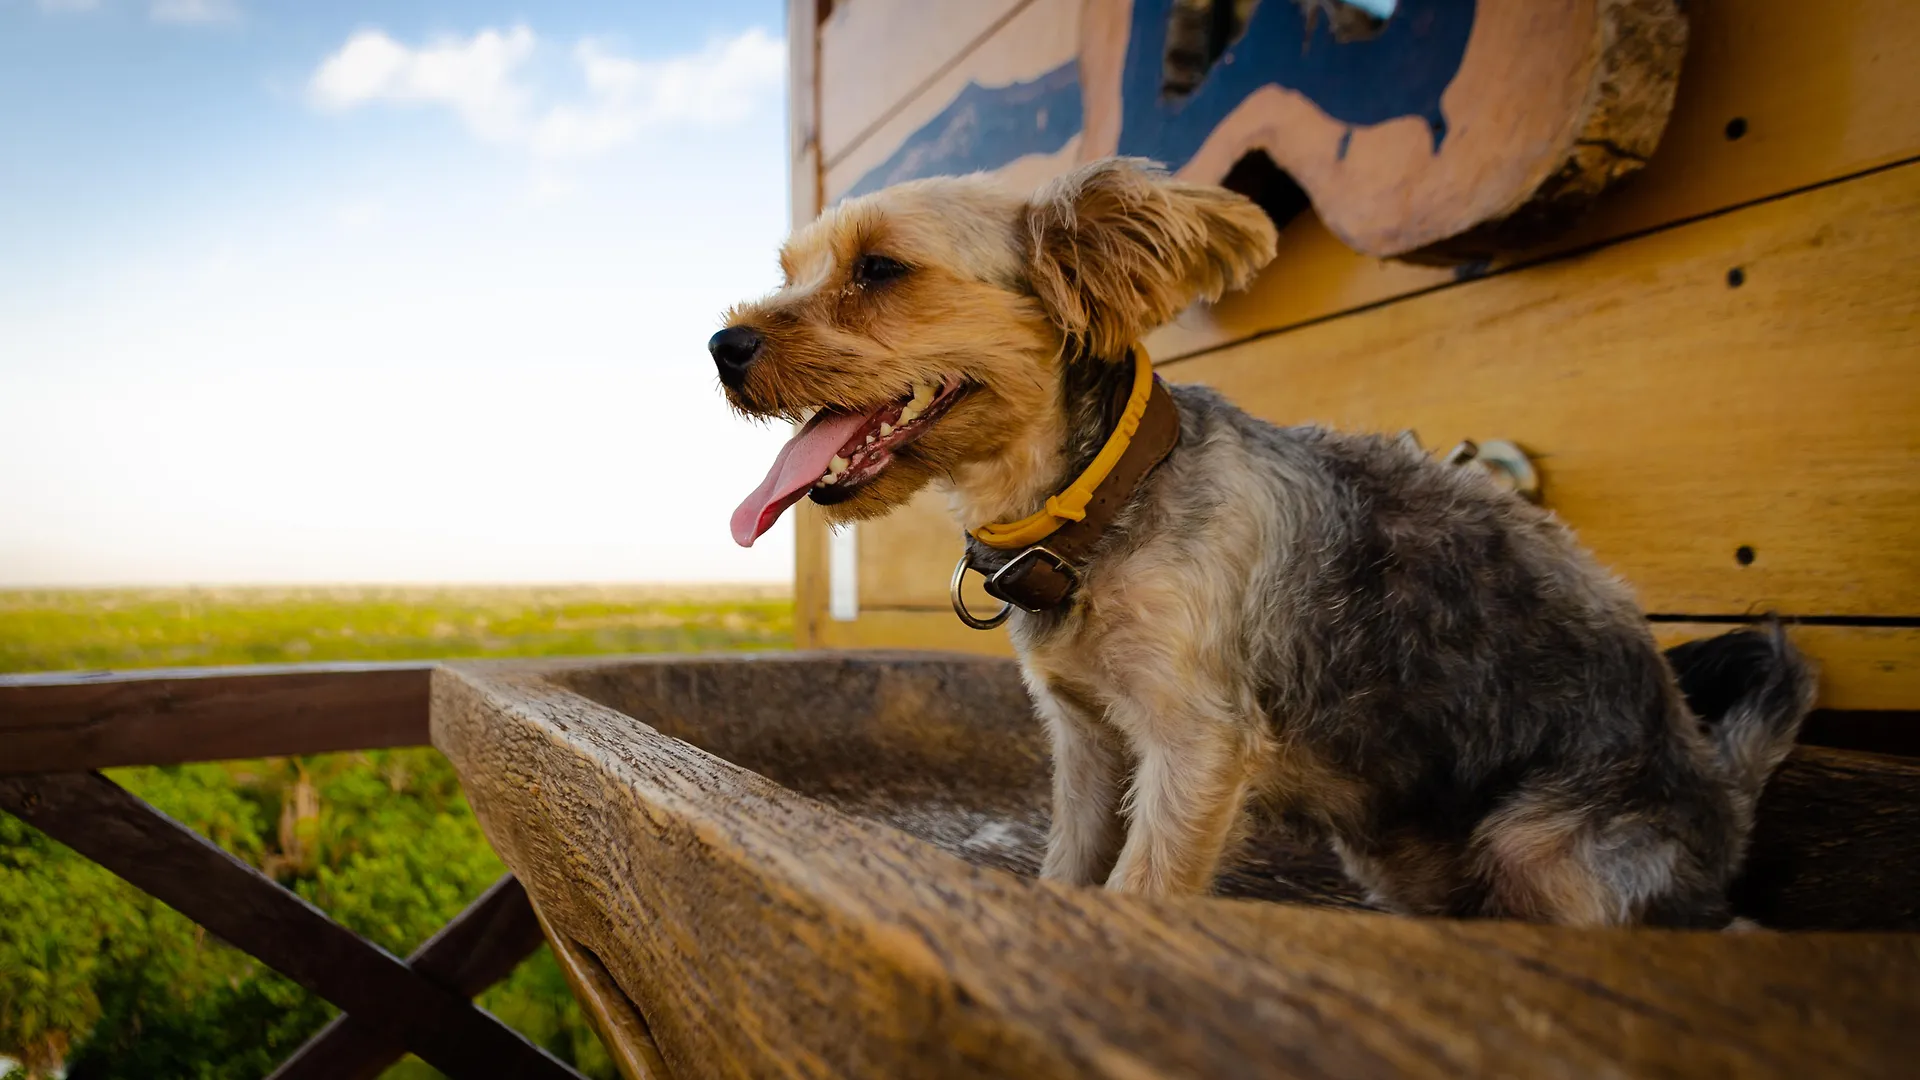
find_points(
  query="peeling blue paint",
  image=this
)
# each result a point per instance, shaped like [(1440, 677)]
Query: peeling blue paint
[(1402, 71)]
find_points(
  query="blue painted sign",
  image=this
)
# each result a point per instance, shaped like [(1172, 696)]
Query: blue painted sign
[(1402, 71)]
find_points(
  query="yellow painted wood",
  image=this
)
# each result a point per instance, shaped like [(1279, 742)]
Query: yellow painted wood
[(1822, 89), (803, 74), (1674, 418), (874, 54), (895, 628), (1861, 667)]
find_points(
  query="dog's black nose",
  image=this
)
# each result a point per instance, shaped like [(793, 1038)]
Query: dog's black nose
[(733, 351)]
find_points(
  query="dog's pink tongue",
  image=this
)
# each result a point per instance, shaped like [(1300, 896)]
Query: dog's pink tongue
[(801, 462)]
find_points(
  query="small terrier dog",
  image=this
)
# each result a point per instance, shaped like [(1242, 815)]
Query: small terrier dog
[(1395, 651)]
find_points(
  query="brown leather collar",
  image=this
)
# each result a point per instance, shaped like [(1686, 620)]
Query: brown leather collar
[(1044, 576)]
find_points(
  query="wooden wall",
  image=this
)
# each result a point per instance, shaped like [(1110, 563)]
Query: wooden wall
[(1717, 371)]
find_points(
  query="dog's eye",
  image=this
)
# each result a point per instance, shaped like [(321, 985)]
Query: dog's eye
[(873, 269)]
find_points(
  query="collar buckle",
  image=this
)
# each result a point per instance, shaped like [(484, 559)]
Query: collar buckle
[(1015, 568)]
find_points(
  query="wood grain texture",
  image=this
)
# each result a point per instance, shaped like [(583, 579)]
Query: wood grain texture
[(760, 932), (913, 628), (804, 202), (803, 110), (1861, 667), (876, 54), (248, 910), (1820, 89), (1833, 845), (481, 946), (1041, 36), (69, 721), (1497, 138), (945, 748), (622, 1032), (1817, 87), (1675, 419)]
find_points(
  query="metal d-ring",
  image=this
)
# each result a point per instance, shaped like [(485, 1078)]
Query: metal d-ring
[(1509, 465), (960, 604)]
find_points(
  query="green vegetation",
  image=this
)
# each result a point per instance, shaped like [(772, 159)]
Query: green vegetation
[(99, 978)]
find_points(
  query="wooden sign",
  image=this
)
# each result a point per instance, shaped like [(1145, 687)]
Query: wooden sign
[(1451, 130)]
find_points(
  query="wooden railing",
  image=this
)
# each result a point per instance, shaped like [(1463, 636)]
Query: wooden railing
[(57, 731), (746, 863)]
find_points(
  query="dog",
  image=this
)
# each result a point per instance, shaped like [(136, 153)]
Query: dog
[(1394, 651)]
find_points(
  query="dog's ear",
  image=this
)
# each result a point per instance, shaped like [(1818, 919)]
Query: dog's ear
[(1118, 247)]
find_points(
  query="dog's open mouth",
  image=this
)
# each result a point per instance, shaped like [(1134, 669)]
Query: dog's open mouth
[(838, 450)]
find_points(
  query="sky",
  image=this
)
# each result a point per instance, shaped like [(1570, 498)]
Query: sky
[(407, 292)]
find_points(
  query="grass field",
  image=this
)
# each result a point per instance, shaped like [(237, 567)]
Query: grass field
[(80, 629), (96, 975)]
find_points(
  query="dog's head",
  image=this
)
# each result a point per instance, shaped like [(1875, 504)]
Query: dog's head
[(922, 329)]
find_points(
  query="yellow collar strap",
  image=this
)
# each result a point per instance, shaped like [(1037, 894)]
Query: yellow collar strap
[(1071, 504)]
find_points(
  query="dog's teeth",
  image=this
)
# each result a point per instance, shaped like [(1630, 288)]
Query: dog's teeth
[(870, 440), (827, 478), (886, 429), (922, 396), (838, 465), (908, 414)]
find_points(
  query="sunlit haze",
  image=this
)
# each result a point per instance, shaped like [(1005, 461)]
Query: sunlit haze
[(411, 292)]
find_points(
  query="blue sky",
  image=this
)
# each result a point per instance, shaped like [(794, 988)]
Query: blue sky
[(407, 292)]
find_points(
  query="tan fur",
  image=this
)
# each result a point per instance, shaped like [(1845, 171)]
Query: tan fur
[(999, 288), (1553, 864), (960, 312), (1118, 251), (1000, 285)]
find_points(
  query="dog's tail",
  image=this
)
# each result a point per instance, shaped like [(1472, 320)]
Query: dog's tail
[(1752, 689)]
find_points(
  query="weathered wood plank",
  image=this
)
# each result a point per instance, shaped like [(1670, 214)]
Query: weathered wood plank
[(913, 628), (481, 946), (804, 198), (1818, 91), (759, 932), (945, 747), (1861, 667), (71, 721), (1812, 89), (1484, 126), (621, 1029), (247, 909), (1041, 36), (1676, 418), (874, 55), (1833, 845)]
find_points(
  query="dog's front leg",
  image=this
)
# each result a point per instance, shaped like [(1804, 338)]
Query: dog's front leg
[(1088, 762), (1190, 785)]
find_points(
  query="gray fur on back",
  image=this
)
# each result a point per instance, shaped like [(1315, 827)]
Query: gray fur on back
[(1442, 643)]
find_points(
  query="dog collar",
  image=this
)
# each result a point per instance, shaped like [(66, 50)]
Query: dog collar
[(1052, 544), (1071, 504)]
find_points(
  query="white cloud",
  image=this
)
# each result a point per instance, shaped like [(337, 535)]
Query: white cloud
[(194, 11), (58, 6), (474, 77), (719, 85), (484, 80)]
